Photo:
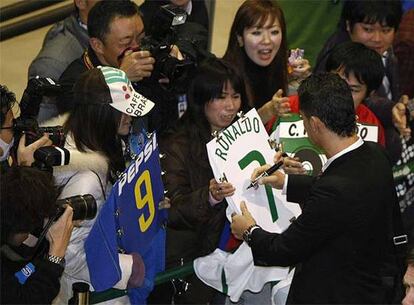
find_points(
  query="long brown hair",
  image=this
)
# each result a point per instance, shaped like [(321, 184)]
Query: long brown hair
[(256, 13)]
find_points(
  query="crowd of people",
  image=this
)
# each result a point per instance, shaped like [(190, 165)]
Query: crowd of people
[(348, 246)]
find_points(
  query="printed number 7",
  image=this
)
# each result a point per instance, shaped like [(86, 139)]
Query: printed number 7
[(142, 201), (254, 155)]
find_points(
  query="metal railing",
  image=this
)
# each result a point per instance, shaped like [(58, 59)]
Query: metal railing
[(33, 22), (163, 277)]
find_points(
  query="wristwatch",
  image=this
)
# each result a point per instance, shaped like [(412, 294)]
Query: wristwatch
[(56, 259), (247, 234)]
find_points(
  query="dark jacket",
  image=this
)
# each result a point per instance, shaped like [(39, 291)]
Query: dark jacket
[(194, 226), (342, 241), (40, 288), (87, 61)]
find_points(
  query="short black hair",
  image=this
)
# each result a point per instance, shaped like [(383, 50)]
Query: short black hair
[(28, 196), (386, 12), (103, 12), (327, 96), (354, 57), (212, 75), (7, 100)]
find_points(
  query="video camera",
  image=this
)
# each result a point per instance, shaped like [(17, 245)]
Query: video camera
[(36, 89), (162, 36)]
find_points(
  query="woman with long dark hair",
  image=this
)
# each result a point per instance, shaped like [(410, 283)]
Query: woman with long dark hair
[(94, 131), (197, 213), (257, 47)]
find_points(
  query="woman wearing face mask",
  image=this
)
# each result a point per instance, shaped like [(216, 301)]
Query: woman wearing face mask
[(197, 213), (257, 47), (94, 129)]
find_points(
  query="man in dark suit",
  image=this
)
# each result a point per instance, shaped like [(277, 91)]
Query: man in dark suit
[(342, 241)]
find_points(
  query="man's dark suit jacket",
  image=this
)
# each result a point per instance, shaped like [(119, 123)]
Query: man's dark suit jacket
[(342, 237)]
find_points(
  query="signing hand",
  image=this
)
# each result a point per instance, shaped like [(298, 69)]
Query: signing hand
[(25, 153), (220, 190), (240, 223), (137, 65), (276, 179), (290, 165)]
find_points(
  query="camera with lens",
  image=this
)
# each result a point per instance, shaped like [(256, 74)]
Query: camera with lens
[(36, 89), (27, 124), (30, 127), (48, 156), (162, 35), (84, 207)]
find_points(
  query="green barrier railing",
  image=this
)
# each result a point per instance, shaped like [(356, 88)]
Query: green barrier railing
[(163, 277)]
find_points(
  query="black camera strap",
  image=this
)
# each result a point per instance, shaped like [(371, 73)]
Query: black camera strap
[(37, 249)]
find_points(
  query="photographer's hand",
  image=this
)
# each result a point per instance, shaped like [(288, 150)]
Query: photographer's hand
[(59, 233), (137, 65), (175, 52), (25, 153)]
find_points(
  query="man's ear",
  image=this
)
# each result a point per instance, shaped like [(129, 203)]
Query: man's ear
[(240, 41), (316, 124), (97, 45)]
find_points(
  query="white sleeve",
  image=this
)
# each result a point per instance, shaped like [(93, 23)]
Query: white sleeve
[(84, 182), (125, 262)]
